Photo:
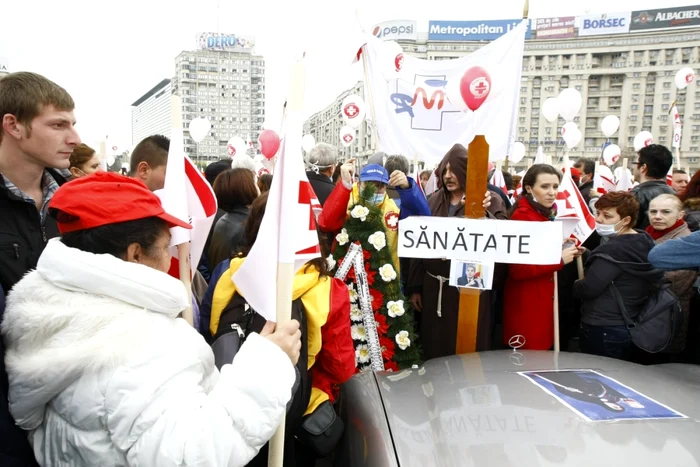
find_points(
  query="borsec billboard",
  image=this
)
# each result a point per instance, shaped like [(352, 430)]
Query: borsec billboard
[(221, 41), (473, 30), (602, 24), (678, 17), (396, 31)]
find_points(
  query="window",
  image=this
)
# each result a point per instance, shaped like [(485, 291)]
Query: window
[(666, 95), (662, 139), (632, 130), (523, 89), (579, 87), (663, 118), (663, 129), (650, 108), (633, 118), (522, 119), (636, 74), (667, 85), (634, 107), (636, 86), (523, 100)]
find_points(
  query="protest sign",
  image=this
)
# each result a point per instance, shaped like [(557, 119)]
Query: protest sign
[(480, 240), (596, 397)]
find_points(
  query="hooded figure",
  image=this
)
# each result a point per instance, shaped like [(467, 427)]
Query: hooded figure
[(428, 279)]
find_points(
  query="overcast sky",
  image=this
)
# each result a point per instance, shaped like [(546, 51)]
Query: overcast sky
[(108, 54)]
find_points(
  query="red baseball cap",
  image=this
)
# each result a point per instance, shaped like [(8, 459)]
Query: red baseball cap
[(104, 198)]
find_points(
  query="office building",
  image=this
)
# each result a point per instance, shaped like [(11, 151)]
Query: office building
[(223, 81), (623, 64), (151, 114)]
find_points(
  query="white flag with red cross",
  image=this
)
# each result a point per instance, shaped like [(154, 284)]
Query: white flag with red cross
[(677, 126), (572, 210), (288, 229), (188, 196)]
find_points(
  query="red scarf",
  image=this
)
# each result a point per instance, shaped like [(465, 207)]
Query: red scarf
[(657, 234)]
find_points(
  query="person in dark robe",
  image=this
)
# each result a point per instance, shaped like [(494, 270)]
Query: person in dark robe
[(428, 279)]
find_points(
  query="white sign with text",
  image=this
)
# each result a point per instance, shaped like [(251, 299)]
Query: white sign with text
[(486, 240)]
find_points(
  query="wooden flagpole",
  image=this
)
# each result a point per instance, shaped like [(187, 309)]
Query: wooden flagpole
[(183, 249), (475, 188), (285, 271)]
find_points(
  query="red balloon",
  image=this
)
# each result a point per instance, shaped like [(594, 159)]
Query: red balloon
[(475, 87), (269, 143)]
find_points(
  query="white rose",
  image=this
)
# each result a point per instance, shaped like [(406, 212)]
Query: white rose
[(387, 272), (355, 313), (359, 212), (362, 354), (402, 340), (330, 262), (378, 240), (395, 308), (342, 238), (358, 333)]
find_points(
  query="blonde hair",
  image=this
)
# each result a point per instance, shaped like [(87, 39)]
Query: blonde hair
[(668, 197)]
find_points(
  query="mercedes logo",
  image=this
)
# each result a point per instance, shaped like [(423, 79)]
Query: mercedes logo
[(516, 341), (517, 358)]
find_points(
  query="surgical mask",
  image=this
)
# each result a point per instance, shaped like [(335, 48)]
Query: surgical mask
[(376, 199), (606, 230)]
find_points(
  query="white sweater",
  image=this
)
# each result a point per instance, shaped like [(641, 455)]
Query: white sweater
[(102, 373)]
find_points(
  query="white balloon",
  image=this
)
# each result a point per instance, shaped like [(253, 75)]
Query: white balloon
[(573, 137), (570, 102), (347, 135), (391, 60), (550, 109), (568, 126), (110, 160), (517, 152), (307, 143), (611, 154), (604, 171), (684, 77), (199, 127), (642, 140), (353, 110), (610, 125), (619, 172), (236, 147)]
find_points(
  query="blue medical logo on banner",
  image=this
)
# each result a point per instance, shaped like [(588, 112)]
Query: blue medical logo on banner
[(596, 397), (473, 30)]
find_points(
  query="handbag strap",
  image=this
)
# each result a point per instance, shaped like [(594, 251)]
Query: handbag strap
[(621, 304)]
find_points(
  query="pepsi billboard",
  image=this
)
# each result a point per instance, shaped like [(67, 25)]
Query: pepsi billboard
[(473, 30), (602, 24), (216, 41), (396, 31)]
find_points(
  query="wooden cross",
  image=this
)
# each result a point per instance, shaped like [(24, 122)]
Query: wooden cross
[(474, 312)]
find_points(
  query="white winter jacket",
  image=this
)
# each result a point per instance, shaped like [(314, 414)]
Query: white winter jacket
[(102, 373)]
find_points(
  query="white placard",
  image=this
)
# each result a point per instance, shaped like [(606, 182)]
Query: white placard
[(485, 240)]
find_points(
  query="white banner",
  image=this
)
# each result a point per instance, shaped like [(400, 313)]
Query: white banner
[(414, 116), (570, 204), (485, 240)]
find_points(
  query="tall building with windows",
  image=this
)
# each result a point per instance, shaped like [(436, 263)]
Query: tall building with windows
[(623, 64), (223, 81), (151, 114)]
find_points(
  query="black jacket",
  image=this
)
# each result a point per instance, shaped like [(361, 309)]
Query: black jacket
[(645, 192), (22, 237), (228, 237), (585, 190), (622, 259), (322, 186)]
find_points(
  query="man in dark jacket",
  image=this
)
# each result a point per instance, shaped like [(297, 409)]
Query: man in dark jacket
[(650, 169), (586, 168), (320, 165), (37, 137)]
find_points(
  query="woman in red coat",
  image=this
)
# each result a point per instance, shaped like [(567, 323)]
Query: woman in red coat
[(529, 298)]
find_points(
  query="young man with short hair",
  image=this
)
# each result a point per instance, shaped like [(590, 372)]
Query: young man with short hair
[(149, 161), (586, 168), (37, 138), (650, 170)]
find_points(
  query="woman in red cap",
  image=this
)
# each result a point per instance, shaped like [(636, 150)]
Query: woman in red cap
[(102, 371)]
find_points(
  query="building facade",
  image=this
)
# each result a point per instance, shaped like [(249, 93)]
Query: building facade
[(151, 113), (621, 64), (223, 81)]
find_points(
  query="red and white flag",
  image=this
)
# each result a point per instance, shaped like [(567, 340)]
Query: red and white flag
[(188, 196), (498, 180), (677, 126), (624, 179), (603, 180), (578, 222), (288, 228)]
